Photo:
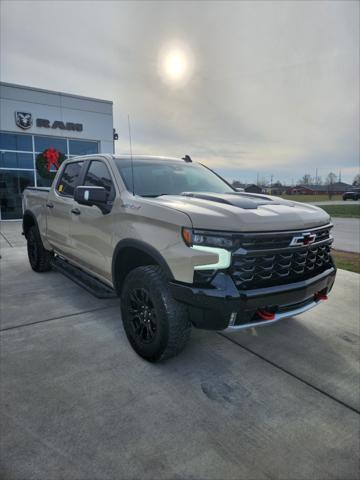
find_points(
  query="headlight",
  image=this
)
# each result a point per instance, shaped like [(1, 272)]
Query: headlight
[(207, 241), (207, 238)]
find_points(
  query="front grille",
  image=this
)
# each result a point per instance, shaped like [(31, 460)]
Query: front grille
[(276, 240), (257, 268)]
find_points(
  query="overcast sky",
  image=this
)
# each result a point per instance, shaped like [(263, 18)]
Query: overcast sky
[(269, 88)]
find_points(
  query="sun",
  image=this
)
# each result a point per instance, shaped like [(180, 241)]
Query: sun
[(175, 65)]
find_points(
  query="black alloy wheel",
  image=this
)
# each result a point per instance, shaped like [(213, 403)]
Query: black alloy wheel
[(142, 315)]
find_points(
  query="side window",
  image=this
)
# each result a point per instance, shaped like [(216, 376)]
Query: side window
[(69, 179), (98, 175)]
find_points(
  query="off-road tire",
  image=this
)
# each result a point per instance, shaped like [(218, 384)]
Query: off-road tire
[(171, 325), (39, 257)]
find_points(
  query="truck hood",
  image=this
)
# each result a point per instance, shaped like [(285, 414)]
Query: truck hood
[(245, 212)]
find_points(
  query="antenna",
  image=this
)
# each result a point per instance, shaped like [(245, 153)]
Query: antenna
[(131, 156)]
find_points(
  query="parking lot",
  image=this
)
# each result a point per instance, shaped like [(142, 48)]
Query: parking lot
[(77, 403)]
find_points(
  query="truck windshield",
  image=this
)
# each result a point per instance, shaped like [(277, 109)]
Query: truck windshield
[(153, 178)]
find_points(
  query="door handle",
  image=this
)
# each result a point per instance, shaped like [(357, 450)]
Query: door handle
[(75, 211), (50, 205)]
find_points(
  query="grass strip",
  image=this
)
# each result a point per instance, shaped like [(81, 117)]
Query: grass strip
[(347, 260), (347, 211)]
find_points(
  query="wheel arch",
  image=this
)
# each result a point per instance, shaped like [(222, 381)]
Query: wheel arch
[(130, 254), (28, 221)]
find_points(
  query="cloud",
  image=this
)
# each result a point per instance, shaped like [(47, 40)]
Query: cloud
[(274, 85)]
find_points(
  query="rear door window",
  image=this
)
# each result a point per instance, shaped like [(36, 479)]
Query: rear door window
[(69, 179)]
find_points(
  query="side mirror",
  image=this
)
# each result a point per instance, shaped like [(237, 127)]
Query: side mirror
[(92, 196)]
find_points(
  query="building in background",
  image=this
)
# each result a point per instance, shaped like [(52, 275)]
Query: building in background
[(337, 188), (33, 120)]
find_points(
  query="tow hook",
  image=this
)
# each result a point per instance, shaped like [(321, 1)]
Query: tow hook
[(320, 296), (265, 315)]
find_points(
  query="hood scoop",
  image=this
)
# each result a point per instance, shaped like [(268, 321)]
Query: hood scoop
[(234, 199)]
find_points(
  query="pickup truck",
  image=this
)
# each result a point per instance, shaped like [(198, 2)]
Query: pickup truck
[(179, 246)]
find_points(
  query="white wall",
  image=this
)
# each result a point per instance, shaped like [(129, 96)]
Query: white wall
[(96, 116)]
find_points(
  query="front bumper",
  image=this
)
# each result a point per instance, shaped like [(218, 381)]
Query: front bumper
[(223, 306)]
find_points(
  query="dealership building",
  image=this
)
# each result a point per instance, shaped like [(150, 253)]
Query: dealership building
[(33, 120)]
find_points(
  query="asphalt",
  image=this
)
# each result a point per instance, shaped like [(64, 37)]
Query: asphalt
[(337, 202), (77, 403), (346, 234), (346, 231)]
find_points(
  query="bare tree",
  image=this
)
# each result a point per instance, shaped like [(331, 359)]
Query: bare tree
[(330, 180), (356, 181), (305, 180)]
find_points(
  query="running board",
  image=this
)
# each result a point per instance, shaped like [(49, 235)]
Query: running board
[(83, 279)]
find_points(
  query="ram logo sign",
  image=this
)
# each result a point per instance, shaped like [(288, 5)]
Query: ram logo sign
[(23, 120)]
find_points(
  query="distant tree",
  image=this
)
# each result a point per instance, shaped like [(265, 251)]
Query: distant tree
[(306, 179), (277, 184), (263, 182), (356, 181), (330, 180)]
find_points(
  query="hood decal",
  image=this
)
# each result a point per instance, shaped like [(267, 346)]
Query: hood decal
[(234, 199)]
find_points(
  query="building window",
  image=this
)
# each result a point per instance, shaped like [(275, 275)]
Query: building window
[(43, 143), (80, 147), (11, 141), (18, 152), (16, 160), (43, 182), (12, 184)]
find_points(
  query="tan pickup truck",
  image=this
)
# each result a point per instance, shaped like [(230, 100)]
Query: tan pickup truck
[(179, 245)]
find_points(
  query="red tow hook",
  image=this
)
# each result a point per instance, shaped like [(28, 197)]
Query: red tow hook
[(320, 296), (265, 315)]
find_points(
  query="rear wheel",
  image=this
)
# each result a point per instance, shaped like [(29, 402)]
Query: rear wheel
[(157, 326), (39, 257)]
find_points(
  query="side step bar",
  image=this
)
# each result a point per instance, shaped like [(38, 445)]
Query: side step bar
[(83, 279)]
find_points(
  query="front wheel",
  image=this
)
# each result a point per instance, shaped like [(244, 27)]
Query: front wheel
[(39, 257), (156, 325)]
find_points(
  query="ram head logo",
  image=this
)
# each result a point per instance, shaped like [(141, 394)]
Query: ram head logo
[(23, 120)]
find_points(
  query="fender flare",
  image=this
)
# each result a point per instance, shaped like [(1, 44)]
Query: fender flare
[(144, 247)]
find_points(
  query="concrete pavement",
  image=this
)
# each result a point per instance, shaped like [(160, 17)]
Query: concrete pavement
[(10, 234), (77, 402)]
